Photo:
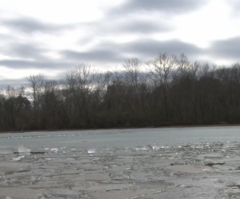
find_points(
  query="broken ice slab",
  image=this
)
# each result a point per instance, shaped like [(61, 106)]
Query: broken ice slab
[(19, 192), (125, 194), (66, 193), (7, 150), (97, 177), (12, 167), (192, 169), (23, 150)]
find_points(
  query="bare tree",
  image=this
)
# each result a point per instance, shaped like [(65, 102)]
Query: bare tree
[(133, 71), (80, 83), (162, 69), (36, 83)]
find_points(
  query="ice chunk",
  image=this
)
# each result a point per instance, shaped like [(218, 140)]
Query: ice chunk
[(155, 147), (55, 150), (8, 197), (18, 158), (91, 151), (33, 179), (24, 150), (146, 148)]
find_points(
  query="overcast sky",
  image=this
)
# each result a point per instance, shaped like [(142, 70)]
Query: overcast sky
[(54, 36)]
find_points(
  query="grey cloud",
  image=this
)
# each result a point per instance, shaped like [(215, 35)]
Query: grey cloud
[(142, 26), (144, 49), (24, 50), (150, 47), (96, 55), (30, 25), (25, 64), (234, 5), (165, 6), (226, 49), (130, 26), (5, 37), (4, 82), (12, 82)]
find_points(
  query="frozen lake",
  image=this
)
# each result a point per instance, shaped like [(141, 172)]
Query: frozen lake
[(121, 164), (121, 138)]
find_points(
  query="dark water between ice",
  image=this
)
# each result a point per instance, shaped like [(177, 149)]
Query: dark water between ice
[(122, 138)]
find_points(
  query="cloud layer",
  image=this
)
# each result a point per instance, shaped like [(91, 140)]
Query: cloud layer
[(227, 49), (131, 28), (31, 25), (165, 6)]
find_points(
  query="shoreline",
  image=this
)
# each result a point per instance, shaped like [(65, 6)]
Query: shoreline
[(124, 128)]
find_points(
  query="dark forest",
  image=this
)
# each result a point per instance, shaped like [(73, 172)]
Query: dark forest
[(166, 91)]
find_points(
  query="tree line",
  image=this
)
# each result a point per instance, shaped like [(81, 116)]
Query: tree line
[(168, 90)]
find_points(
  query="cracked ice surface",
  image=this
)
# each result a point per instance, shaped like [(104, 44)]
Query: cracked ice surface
[(121, 164)]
